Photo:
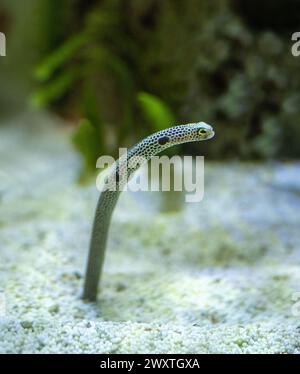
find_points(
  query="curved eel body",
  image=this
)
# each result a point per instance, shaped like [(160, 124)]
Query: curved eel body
[(120, 174)]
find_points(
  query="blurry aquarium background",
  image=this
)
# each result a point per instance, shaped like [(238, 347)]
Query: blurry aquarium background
[(81, 79), (119, 70)]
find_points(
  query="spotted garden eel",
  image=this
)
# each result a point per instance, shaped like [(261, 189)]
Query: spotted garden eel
[(119, 175)]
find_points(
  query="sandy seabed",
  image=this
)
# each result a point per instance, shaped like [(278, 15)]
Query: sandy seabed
[(220, 276)]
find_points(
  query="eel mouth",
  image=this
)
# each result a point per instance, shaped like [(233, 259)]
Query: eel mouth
[(210, 134)]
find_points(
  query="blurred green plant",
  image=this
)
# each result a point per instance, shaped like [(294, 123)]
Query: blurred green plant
[(156, 111), (133, 67), (61, 56), (90, 135)]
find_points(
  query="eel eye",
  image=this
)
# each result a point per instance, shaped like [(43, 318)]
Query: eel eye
[(202, 132), (163, 140)]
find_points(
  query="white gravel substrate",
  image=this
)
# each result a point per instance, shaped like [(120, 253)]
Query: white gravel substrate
[(221, 276)]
